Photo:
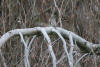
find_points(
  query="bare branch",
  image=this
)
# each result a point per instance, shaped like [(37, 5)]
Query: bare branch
[(31, 41), (71, 49), (82, 43), (26, 51), (59, 11), (62, 57), (49, 46), (80, 59), (65, 47)]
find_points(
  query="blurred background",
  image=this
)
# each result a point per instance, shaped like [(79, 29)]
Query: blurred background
[(79, 16)]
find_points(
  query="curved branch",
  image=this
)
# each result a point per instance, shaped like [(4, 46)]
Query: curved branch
[(83, 44)]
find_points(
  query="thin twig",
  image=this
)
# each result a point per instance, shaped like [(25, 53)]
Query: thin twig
[(3, 59), (59, 11), (62, 57), (80, 59), (65, 47)]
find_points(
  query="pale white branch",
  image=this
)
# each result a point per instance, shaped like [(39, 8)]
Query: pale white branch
[(26, 51), (31, 41), (80, 59), (35, 31), (49, 46), (65, 47), (71, 48), (62, 33)]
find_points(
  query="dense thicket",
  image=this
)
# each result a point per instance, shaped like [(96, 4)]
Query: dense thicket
[(79, 16)]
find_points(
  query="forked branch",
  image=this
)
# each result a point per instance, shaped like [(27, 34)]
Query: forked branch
[(63, 34), (82, 43)]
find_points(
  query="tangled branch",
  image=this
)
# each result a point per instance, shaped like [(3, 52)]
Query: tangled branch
[(63, 34)]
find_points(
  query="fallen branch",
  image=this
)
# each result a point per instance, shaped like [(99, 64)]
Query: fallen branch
[(83, 44)]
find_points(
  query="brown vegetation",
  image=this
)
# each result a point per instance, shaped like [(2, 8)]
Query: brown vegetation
[(79, 16)]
